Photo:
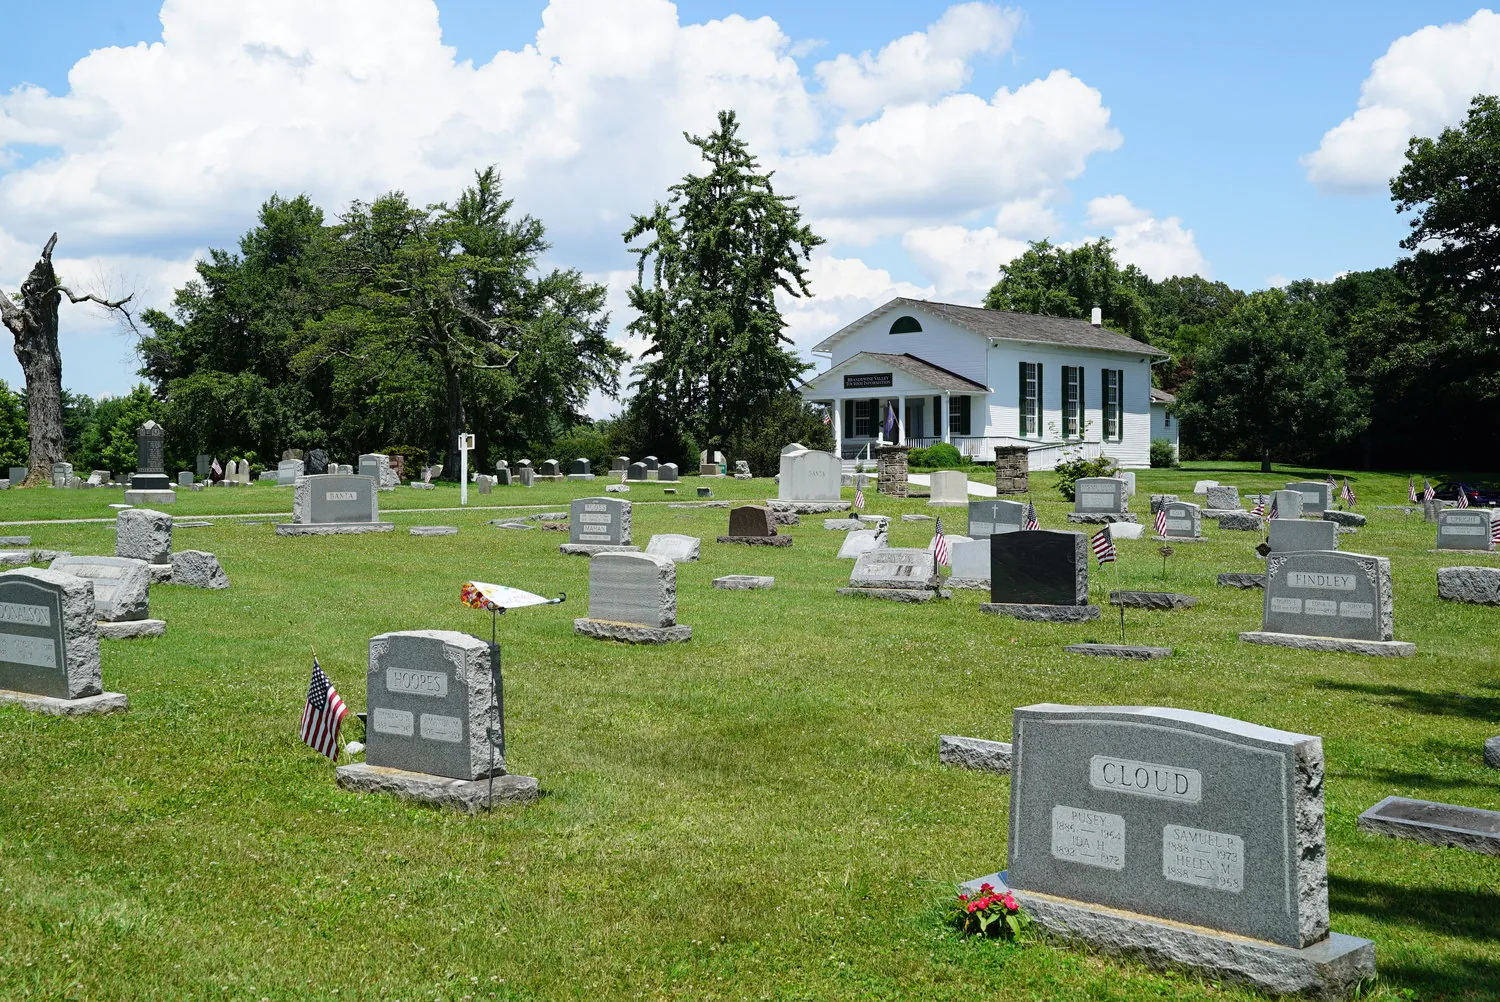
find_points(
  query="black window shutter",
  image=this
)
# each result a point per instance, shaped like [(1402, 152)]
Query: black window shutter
[(848, 418)]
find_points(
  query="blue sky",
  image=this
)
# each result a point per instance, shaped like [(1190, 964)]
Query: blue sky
[(1182, 130)]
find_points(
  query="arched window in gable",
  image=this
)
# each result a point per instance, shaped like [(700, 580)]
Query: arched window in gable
[(906, 325)]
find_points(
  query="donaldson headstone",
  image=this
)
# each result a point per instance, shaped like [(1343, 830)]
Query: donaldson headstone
[(1327, 600), (1316, 495), (49, 644), (808, 475), (989, 518), (950, 489), (1194, 839), (898, 574), (334, 504), (287, 472), (598, 525), (1464, 529), (632, 597), (1184, 520), (1040, 575), (1289, 534)]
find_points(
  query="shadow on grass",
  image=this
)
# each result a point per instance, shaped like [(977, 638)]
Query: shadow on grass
[(1456, 978), (1425, 781), (1471, 915), (1446, 704)]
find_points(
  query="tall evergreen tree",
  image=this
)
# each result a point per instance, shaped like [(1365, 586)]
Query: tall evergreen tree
[(713, 258)]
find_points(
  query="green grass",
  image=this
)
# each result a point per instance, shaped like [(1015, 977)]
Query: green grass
[(756, 814)]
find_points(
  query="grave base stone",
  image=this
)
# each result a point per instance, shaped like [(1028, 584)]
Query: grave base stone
[(52, 706), (151, 497), (807, 507), (131, 628), (434, 530), (1042, 613), (974, 753), (1240, 579), (1349, 519), (472, 796), (1152, 600), (1492, 752), (744, 582), (1126, 652), (1179, 539), (1100, 518), (1447, 825), (1331, 968), (332, 528), (1476, 585), (757, 540), (897, 594), (1378, 648), (1240, 521), (198, 569), (632, 633), (590, 549)]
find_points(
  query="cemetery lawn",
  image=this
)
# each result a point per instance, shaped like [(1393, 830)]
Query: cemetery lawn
[(756, 814)]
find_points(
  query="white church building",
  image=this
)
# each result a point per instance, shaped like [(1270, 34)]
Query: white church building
[(916, 373)]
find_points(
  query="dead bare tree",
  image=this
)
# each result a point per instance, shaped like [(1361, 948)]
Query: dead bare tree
[(31, 317)]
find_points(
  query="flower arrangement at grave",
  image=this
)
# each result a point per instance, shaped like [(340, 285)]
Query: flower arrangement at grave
[(988, 913)]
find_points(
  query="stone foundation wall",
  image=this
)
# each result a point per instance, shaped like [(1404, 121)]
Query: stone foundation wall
[(1012, 469), (891, 471)]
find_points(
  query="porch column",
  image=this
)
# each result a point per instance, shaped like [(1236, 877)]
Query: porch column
[(838, 428), (947, 410), (901, 420)]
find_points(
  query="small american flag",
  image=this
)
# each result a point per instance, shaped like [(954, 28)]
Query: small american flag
[(1411, 489), (859, 493), (828, 417), (323, 715), (1347, 495), (1161, 521), (1104, 546), (216, 469), (1428, 491), (1332, 484), (1463, 496), (1030, 522), (1275, 511), (1259, 511), (1494, 529), (940, 544)]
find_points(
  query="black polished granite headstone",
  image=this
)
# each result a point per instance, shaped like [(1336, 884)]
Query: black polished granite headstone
[(1039, 567)]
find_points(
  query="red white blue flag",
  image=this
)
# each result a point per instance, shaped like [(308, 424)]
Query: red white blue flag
[(940, 545), (1030, 521), (1161, 521), (322, 715), (1104, 546)]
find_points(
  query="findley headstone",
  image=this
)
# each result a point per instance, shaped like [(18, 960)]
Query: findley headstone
[(598, 525), (1316, 495), (898, 574), (334, 504), (1464, 529), (1194, 839), (1288, 534), (989, 518), (1329, 601), (633, 597), (1040, 575), (49, 645)]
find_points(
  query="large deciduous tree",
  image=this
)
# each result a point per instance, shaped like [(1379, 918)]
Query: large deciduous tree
[(1057, 282), (31, 317), (712, 261), (1271, 383)]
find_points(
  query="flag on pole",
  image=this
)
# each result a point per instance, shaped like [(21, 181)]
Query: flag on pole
[(828, 417), (1332, 484), (1029, 520), (859, 493), (890, 421), (1411, 489), (1494, 529), (940, 544), (1428, 491), (1259, 511), (323, 715), (1463, 496), (1161, 521), (216, 469), (1275, 511), (1104, 546), (1347, 495)]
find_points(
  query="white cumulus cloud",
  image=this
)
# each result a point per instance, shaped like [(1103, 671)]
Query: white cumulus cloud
[(1159, 247), (1422, 83)]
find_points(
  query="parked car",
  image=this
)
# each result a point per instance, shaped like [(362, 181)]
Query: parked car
[(1480, 495)]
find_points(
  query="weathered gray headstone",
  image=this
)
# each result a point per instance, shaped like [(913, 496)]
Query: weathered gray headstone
[(18, 474), (121, 585), (637, 473), (950, 488), (667, 473), (901, 574), (144, 534), (1123, 815), (1098, 496), (1288, 504), (1289, 534), (432, 701), (987, 518), (675, 547), (1223, 497), (597, 524), (198, 569), (60, 474), (1327, 600), (1316, 495), (1184, 520), (860, 541), (1476, 585), (969, 561), (1464, 529), (377, 466), (334, 504), (49, 645), (809, 475), (632, 597), (204, 465), (619, 464), (184, 479)]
